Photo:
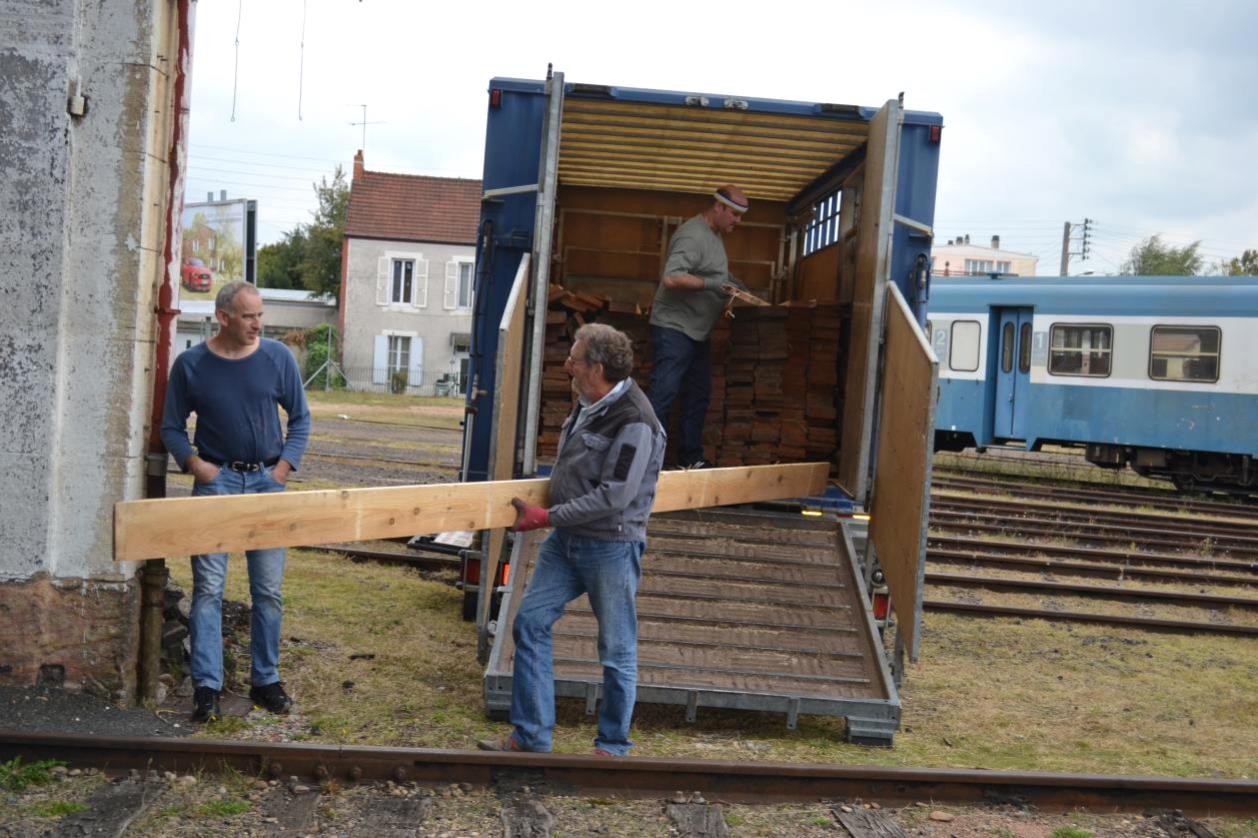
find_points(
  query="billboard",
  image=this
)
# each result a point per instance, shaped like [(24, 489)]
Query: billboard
[(218, 247)]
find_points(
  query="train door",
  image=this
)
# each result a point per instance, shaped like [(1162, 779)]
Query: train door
[(1013, 372)]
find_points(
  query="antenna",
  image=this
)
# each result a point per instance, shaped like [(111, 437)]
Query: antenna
[(364, 124)]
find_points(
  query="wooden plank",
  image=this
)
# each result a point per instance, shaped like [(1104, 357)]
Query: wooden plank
[(151, 529), (901, 503)]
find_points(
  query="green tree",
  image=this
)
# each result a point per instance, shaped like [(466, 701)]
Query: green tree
[(1244, 265), (317, 342), (279, 264), (321, 260), (1153, 258)]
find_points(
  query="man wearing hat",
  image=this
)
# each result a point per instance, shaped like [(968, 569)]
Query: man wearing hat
[(692, 293)]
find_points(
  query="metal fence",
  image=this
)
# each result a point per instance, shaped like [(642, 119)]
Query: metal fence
[(400, 382)]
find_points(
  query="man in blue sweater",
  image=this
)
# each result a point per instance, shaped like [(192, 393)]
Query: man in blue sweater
[(234, 382), (602, 489)]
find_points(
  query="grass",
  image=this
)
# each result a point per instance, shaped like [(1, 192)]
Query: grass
[(14, 776), (1071, 832), (1001, 694), (56, 808), (221, 808)]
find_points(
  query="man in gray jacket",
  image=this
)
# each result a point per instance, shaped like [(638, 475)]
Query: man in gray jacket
[(602, 489)]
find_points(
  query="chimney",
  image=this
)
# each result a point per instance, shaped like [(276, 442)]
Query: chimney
[(358, 165), (995, 242), (967, 238), (222, 194)]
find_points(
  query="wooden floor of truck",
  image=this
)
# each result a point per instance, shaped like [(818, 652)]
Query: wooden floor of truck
[(745, 610)]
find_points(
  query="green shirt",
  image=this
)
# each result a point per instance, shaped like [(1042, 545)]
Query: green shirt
[(697, 251)]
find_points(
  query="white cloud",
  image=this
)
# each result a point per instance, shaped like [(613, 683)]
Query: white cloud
[(1135, 113)]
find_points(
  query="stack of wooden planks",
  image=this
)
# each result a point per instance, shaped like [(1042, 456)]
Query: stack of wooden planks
[(780, 381), (775, 379)]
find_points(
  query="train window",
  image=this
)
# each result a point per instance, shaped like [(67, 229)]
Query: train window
[(1078, 349), (1024, 348), (1184, 353), (1006, 348), (964, 354)]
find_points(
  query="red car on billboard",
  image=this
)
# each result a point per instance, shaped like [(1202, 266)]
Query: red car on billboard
[(195, 276)]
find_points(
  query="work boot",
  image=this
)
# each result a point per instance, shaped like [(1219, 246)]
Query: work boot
[(271, 697), (506, 742), (205, 705)]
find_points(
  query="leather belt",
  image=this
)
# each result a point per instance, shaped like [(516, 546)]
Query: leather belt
[(241, 465)]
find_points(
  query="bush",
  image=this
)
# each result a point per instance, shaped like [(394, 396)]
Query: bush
[(397, 381), (316, 344)]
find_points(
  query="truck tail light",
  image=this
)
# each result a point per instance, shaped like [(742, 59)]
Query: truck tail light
[(882, 606), (495, 97), (471, 572)]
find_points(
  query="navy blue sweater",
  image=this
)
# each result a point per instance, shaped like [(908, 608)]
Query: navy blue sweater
[(236, 406)]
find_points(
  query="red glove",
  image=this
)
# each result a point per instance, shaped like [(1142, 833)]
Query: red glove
[(529, 517)]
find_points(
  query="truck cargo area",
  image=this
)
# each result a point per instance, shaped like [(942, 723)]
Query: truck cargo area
[(739, 610)]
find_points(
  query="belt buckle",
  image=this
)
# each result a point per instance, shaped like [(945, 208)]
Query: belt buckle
[(243, 467)]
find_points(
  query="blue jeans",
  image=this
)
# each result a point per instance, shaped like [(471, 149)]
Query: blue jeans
[(209, 576), (681, 364), (567, 567)]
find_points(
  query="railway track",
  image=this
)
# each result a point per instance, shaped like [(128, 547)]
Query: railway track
[(592, 776), (1013, 510), (1246, 570), (1096, 533), (1060, 491)]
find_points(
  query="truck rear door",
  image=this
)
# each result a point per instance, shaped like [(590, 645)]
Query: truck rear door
[(875, 225), (901, 493)]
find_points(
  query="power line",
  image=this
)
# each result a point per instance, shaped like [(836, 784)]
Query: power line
[(264, 153)]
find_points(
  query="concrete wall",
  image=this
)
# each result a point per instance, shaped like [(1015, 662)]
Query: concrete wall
[(82, 231), (433, 321)]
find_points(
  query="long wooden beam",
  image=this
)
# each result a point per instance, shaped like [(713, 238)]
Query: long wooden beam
[(153, 529)]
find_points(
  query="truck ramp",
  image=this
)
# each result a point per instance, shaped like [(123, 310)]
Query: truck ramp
[(742, 610)]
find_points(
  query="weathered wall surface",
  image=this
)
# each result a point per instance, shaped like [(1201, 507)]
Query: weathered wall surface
[(82, 213)]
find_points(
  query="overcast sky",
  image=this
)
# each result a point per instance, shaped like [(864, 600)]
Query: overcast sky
[(1139, 114)]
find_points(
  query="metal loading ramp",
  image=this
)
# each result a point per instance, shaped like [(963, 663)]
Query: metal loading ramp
[(737, 609)]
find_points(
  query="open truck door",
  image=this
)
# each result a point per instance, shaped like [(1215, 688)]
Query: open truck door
[(890, 385), (875, 208), (901, 492), (516, 364)]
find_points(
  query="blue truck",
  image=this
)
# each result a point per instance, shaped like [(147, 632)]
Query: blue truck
[(583, 186)]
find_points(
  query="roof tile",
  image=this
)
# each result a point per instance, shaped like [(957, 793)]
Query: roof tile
[(383, 205)]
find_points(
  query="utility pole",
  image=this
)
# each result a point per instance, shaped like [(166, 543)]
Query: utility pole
[(1085, 243)]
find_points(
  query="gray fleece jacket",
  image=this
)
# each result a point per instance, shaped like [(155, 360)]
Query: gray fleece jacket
[(603, 482)]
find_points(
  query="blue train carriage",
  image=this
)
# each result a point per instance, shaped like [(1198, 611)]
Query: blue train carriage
[(1156, 373), (583, 186)]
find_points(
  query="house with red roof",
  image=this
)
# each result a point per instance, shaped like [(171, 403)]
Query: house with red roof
[(407, 270)]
